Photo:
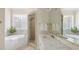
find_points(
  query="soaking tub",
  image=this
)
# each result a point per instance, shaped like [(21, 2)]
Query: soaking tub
[(74, 38), (15, 41)]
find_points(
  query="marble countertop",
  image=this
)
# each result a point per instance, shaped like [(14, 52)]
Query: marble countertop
[(47, 42)]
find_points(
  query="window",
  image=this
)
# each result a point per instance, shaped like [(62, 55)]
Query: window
[(68, 21), (20, 22), (77, 21)]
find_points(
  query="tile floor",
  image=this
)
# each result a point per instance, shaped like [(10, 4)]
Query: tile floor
[(31, 46)]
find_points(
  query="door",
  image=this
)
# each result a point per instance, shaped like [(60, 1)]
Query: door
[(32, 26)]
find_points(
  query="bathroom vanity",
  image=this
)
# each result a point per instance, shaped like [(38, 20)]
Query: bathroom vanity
[(46, 42)]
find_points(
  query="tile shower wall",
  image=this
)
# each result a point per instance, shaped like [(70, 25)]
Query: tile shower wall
[(51, 17)]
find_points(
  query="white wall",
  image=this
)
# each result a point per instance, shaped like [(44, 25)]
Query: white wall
[(23, 10), (7, 19), (2, 15)]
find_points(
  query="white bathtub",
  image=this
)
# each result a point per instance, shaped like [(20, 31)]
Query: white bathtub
[(74, 38), (15, 41)]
